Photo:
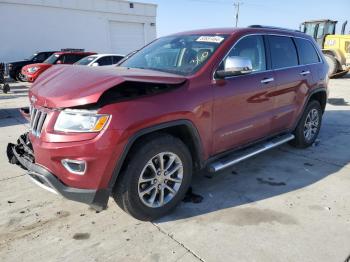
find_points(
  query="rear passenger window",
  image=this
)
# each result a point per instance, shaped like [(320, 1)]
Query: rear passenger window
[(283, 52), (307, 52), (68, 59), (103, 61), (253, 48)]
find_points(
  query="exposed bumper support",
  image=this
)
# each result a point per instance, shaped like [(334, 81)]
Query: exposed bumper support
[(22, 155)]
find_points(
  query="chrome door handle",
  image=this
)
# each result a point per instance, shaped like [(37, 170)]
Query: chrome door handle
[(304, 73), (267, 80)]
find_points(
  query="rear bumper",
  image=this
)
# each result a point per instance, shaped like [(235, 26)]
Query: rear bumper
[(22, 155)]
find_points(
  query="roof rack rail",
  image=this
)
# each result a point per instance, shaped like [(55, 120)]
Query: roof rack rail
[(273, 27), (72, 50)]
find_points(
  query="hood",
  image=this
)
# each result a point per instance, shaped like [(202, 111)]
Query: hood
[(41, 65), (64, 86), (20, 63)]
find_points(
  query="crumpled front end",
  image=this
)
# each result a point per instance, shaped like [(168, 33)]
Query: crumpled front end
[(22, 154)]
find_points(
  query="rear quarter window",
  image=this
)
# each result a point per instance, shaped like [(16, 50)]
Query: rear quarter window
[(116, 59), (283, 52), (307, 52)]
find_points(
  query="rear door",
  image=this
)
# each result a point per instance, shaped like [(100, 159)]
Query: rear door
[(309, 56), (292, 82), (242, 104)]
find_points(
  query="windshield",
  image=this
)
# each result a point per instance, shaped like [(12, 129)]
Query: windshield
[(183, 55), (31, 57), (309, 29), (86, 60), (52, 59)]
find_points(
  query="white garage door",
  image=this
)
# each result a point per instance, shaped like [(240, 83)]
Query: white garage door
[(126, 37)]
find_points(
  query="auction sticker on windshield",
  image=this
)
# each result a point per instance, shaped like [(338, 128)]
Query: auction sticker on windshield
[(210, 39)]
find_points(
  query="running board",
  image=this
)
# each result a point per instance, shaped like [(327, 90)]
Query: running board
[(244, 154)]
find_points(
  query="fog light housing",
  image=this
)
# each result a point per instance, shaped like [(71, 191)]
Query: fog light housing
[(77, 167)]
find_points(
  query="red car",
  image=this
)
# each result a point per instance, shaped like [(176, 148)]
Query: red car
[(32, 71), (185, 102)]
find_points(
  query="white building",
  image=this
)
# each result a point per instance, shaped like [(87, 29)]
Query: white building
[(103, 26)]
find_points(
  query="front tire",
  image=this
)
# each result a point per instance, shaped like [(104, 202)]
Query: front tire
[(20, 77), (309, 125), (6, 88), (156, 178)]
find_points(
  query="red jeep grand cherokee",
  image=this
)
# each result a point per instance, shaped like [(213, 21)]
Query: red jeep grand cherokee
[(194, 100), (32, 71)]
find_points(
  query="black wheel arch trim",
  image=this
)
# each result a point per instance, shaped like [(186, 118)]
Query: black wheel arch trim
[(148, 130), (311, 93)]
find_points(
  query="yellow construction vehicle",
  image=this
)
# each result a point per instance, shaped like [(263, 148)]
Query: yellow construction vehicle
[(335, 47)]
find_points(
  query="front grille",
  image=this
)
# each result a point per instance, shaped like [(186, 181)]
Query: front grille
[(37, 120)]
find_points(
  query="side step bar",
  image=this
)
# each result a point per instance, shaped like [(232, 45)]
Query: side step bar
[(244, 154)]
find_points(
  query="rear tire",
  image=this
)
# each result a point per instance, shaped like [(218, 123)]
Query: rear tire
[(309, 126), (333, 64), (150, 168)]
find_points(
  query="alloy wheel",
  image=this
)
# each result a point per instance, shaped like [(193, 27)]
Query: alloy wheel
[(160, 179), (311, 125)]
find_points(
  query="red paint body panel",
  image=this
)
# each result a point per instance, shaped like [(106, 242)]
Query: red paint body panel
[(59, 88), (226, 113), (42, 67)]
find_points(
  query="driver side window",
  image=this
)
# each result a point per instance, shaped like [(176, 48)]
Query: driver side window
[(253, 48)]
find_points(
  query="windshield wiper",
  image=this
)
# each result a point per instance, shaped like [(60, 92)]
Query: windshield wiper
[(161, 70)]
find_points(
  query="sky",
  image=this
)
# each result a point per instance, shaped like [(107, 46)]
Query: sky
[(181, 15)]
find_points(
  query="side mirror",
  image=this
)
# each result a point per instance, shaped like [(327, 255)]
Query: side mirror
[(235, 65), (59, 62), (95, 64)]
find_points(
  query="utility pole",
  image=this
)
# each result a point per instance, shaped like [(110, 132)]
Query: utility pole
[(237, 4)]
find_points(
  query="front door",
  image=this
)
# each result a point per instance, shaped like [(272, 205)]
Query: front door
[(243, 107)]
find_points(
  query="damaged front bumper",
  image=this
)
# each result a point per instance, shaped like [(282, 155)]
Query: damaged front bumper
[(22, 154)]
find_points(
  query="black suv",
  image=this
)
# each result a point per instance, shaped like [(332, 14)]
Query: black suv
[(14, 68)]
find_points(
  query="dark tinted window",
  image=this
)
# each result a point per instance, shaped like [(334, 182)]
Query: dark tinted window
[(103, 61), (39, 57), (283, 52), (116, 59), (253, 48), (71, 58), (307, 52), (48, 54)]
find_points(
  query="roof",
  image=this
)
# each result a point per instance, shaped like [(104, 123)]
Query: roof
[(102, 55), (320, 20), (75, 53), (232, 31)]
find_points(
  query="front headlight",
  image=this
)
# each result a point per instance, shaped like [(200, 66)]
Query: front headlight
[(33, 69), (70, 120)]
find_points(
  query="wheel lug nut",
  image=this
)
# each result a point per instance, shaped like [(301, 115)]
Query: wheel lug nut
[(159, 187), (155, 181)]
